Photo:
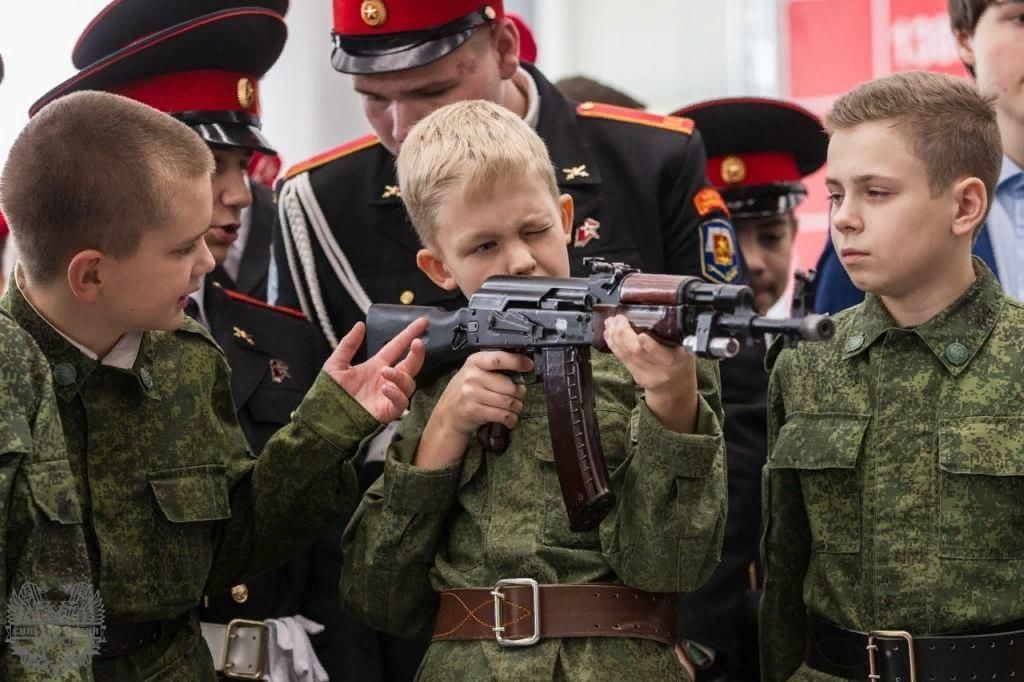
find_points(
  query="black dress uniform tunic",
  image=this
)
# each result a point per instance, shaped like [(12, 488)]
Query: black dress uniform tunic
[(274, 356), (637, 181)]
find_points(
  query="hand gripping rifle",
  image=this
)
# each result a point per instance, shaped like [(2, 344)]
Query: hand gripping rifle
[(557, 320)]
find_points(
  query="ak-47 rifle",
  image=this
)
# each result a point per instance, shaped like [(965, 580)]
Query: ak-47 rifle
[(557, 320)]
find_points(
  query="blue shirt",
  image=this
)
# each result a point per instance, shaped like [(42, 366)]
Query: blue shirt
[(1000, 244), (1005, 224)]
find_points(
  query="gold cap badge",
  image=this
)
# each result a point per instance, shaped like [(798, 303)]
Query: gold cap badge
[(373, 12), (246, 91), (733, 170)]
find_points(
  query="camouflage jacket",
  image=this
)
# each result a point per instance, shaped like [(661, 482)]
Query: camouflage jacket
[(493, 516), (894, 489), (42, 542), (175, 504)]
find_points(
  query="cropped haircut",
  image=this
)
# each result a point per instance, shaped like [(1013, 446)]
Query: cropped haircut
[(945, 122), (472, 147), (93, 170)]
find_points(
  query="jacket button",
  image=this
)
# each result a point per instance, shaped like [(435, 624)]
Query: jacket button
[(407, 297), (956, 353), (854, 342), (146, 377), (65, 374), (240, 593)]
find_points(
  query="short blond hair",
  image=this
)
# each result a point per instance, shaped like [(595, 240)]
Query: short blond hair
[(93, 170), (470, 146), (943, 119)]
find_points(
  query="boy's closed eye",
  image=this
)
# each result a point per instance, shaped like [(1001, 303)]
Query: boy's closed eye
[(187, 249)]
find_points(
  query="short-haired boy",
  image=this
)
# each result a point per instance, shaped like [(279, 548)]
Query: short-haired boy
[(447, 521), (174, 504), (895, 481)]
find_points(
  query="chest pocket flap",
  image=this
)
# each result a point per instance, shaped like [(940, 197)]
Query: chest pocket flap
[(192, 494), (819, 441), (981, 479), (823, 450), (988, 446)]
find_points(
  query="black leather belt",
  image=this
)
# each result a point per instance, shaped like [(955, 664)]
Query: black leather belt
[(121, 638), (897, 656)]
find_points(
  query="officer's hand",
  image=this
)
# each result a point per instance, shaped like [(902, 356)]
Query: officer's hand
[(478, 394), (380, 385), (667, 374)]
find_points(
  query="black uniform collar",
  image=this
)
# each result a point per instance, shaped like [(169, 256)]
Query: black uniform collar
[(558, 126)]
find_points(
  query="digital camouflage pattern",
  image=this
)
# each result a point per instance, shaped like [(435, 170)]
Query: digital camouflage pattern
[(894, 490), (42, 541), (494, 516), (175, 505)]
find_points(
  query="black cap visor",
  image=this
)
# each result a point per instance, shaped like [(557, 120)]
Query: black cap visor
[(364, 55), (762, 201), (227, 129)]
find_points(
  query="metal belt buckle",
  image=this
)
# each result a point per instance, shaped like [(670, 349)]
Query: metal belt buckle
[(499, 598), (873, 651), (231, 636)]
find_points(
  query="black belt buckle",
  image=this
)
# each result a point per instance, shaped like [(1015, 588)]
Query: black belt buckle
[(872, 649)]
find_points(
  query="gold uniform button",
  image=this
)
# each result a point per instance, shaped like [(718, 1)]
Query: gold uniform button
[(407, 297), (240, 593)]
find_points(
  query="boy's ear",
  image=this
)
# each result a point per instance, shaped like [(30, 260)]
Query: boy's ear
[(434, 268), (971, 204), (505, 42), (565, 210), (84, 275)]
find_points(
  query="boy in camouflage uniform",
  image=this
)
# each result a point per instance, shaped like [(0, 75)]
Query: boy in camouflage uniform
[(175, 505), (448, 520), (894, 490)]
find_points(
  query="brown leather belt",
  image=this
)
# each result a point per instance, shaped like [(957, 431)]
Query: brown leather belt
[(526, 612)]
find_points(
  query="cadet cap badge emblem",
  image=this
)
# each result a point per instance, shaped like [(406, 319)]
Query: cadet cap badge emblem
[(246, 92), (734, 171), (279, 371), (373, 12), (586, 232), (720, 260)]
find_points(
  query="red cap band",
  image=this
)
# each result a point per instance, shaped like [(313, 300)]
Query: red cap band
[(752, 168), (381, 17), (196, 91)]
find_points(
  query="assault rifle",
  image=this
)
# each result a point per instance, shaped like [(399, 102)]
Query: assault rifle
[(557, 320)]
